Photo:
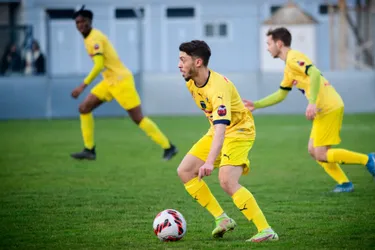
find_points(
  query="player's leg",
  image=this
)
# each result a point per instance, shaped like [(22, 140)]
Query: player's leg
[(153, 131), (188, 173), (333, 170), (235, 164), (127, 96), (87, 125), (329, 134)]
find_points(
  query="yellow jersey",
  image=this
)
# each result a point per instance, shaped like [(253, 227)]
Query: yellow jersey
[(295, 75), (98, 43), (222, 104)]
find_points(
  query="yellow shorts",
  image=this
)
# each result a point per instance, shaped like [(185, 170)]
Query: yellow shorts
[(235, 152), (124, 92), (326, 128)]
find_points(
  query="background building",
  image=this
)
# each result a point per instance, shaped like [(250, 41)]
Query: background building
[(338, 36)]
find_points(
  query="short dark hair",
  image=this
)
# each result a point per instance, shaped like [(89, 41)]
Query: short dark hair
[(281, 34), (197, 48), (84, 13)]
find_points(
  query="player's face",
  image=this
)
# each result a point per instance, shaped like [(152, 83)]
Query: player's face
[(187, 66), (273, 47), (83, 25)]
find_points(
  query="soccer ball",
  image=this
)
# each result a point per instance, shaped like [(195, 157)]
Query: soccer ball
[(169, 225)]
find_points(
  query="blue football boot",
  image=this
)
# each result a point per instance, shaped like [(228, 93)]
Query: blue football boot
[(371, 164), (346, 187)]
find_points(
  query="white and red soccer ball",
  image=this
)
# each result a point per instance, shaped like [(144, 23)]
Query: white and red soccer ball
[(169, 225)]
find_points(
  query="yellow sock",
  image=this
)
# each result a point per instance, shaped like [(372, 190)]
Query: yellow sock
[(152, 130), (334, 170), (343, 156), (201, 193), (87, 128), (247, 204)]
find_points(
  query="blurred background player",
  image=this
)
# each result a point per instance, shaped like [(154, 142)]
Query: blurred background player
[(226, 145), (118, 83), (325, 108)]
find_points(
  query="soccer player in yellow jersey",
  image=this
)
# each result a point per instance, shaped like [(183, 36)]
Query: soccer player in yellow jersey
[(325, 109), (118, 83), (225, 146)]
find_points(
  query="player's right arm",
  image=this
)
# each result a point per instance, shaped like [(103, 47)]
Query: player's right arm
[(95, 49), (272, 99), (96, 69)]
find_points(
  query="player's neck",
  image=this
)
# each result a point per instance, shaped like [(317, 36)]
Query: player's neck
[(88, 33), (284, 53), (202, 78)]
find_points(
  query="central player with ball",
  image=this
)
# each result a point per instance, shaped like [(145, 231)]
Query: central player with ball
[(225, 146)]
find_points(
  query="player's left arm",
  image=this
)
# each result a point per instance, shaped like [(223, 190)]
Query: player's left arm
[(314, 74), (221, 118), (217, 142), (96, 51), (303, 65), (216, 146)]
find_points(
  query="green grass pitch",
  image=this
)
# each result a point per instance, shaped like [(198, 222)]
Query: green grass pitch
[(50, 201)]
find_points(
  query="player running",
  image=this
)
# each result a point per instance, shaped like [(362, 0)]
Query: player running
[(117, 83), (325, 108)]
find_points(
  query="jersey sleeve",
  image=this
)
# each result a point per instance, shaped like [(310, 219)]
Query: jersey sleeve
[(96, 46), (299, 64), (221, 106), (286, 83)]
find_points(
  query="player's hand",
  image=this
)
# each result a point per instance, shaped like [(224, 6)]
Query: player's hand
[(249, 105), (205, 170), (311, 111), (77, 91)]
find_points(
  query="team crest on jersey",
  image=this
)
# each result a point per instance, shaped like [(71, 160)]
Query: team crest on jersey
[(203, 105), (96, 46), (222, 110), (301, 63)]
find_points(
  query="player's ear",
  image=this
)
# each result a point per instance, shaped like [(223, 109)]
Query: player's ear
[(279, 43), (198, 62)]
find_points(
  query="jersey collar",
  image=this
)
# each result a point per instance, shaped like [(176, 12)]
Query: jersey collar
[(208, 78)]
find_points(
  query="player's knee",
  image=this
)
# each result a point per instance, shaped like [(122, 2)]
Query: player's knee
[(311, 151), (180, 172), (84, 108), (136, 114), (227, 184), (137, 119), (184, 174), (320, 155)]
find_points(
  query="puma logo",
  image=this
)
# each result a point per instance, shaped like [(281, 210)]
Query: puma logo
[(244, 208)]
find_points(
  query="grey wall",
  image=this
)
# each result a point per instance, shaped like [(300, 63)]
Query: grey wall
[(166, 94), (40, 97)]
